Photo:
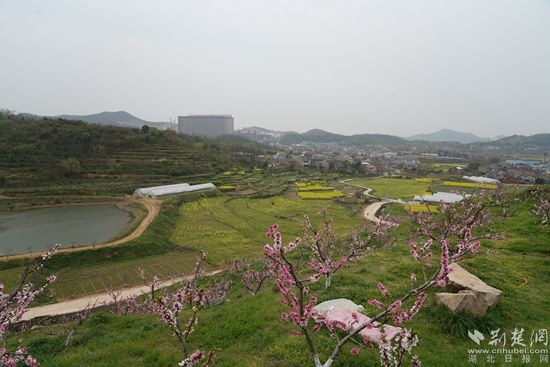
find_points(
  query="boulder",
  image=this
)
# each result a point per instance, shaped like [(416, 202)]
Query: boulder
[(324, 307), (474, 295), (459, 278), (345, 319), (463, 300)]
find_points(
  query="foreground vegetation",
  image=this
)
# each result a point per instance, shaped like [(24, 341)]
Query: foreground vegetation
[(247, 331), (232, 229)]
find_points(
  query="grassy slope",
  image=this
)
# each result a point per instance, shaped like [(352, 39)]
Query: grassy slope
[(232, 229), (228, 228), (249, 331)]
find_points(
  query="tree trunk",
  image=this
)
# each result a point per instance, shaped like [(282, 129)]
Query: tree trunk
[(328, 280)]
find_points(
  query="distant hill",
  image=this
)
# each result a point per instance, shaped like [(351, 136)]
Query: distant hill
[(448, 135), (261, 134), (60, 157), (521, 143), (117, 118), (321, 136)]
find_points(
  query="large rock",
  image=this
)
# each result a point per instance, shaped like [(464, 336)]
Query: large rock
[(345, 319), (324, 307), (474, 295), (463, 300)]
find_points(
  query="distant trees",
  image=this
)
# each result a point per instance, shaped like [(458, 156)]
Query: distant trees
[(473, 167), (49, 146), (180, 169), (70, 166)]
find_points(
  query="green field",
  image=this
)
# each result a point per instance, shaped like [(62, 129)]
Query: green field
[(422, 208), (234, 228), (392, 187), (247, 330), (319, 195), (96, 279), (469, 185)]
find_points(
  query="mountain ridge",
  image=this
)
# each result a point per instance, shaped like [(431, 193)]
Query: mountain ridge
[(445, 135), (116, 118)]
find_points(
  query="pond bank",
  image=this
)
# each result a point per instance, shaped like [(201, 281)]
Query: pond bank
[(152, 207)]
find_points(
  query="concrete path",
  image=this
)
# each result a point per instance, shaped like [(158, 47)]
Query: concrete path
[(370, 211), (97, 300)]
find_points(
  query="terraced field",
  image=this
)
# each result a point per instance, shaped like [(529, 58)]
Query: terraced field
[(129, 169), (95, 279), (393, 187), (52, 162), (234, 228)]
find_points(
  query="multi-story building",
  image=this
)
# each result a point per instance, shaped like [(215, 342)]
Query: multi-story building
[(206, 125)]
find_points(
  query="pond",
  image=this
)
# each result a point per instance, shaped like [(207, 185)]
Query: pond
[(71, 225)]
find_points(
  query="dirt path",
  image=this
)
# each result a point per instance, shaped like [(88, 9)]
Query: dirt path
[(369, 213), (153, 209), (97, 300)]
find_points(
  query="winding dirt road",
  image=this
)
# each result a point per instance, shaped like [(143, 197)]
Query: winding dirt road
[(153, 209), (369, 213)]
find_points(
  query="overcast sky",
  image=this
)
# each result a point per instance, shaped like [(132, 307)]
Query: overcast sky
[(388, 66)]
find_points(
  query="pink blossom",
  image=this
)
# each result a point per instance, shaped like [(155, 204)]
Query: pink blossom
[(383, 289)]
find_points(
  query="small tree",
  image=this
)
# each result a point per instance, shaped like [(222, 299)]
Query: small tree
[(328, 255), (542, 206), (70, 166), (505, 200), (252, 276), (170, 306), (12, 308), (457, 231)]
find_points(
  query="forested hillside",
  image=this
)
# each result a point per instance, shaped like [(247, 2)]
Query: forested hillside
[(41, 156)]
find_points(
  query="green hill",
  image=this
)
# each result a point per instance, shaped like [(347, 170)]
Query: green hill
[(59, 157), (321, 136)]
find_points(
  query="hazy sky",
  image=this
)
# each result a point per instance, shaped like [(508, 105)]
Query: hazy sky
[(398, 67)]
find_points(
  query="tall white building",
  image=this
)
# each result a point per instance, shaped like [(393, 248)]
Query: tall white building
[(206, 125)]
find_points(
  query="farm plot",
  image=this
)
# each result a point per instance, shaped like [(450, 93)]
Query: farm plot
[(393, 187), (234, 228), (421, 208), (469, 185), (317, 190), (95, 279)]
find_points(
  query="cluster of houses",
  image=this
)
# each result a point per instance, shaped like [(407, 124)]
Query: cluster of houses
[(380, 160), (517, 171)]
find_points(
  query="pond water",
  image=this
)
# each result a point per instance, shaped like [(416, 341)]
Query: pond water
[(71, 225)]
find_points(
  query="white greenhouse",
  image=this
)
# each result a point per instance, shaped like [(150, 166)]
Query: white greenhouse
[(481, 179), (440, 197), (157, 191)]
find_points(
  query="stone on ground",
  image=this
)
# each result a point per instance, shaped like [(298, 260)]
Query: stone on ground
[(474, 295), (324, 307)]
